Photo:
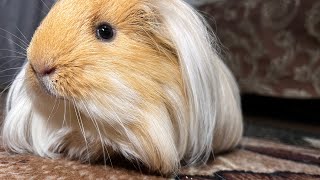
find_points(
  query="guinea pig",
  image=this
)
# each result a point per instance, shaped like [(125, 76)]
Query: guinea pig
[(138, 78)]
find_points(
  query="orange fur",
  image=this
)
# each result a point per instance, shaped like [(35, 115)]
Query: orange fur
[(137, 55), (64, 41)]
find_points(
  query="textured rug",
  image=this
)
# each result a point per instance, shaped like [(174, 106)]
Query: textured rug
[(265, 153)]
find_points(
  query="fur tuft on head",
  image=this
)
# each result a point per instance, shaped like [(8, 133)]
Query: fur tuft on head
[(157, 92)]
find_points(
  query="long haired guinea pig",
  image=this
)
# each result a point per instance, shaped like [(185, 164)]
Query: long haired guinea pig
[(137, 78)]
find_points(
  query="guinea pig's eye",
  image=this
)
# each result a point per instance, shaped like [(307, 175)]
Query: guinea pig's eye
[(105, 32)]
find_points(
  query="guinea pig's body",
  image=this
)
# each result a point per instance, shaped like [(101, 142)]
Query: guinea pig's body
[(138, 78)]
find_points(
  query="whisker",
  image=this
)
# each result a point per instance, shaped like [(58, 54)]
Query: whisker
[(4, 57), (9, 70), (10, 50), (11, 81), (24, 43), (11, 40), (45, 4), (70, 116), (118, 119), (3, 64), (51, 113), (5, 89), (5, 76), (64, 112), (99, 133), (27, 41), (81, 128)]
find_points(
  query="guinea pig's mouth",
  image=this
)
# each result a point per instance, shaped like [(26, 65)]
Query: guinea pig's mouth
[(46, 84)]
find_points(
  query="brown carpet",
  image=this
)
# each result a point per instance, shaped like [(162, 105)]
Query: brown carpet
[(254, 159)]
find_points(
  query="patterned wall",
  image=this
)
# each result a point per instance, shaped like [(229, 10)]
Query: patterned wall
[(272, 46)]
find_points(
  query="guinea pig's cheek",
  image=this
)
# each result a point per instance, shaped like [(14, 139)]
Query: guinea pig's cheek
[(62, 86), (68, 84)]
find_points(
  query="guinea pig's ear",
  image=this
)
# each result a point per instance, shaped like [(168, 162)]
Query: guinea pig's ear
[(213, 95)]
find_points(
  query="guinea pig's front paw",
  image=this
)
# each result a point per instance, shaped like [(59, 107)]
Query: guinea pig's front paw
[(75, 146)]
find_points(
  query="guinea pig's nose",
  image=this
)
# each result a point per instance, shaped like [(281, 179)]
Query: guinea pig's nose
[(48, 71), (43, 71)]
